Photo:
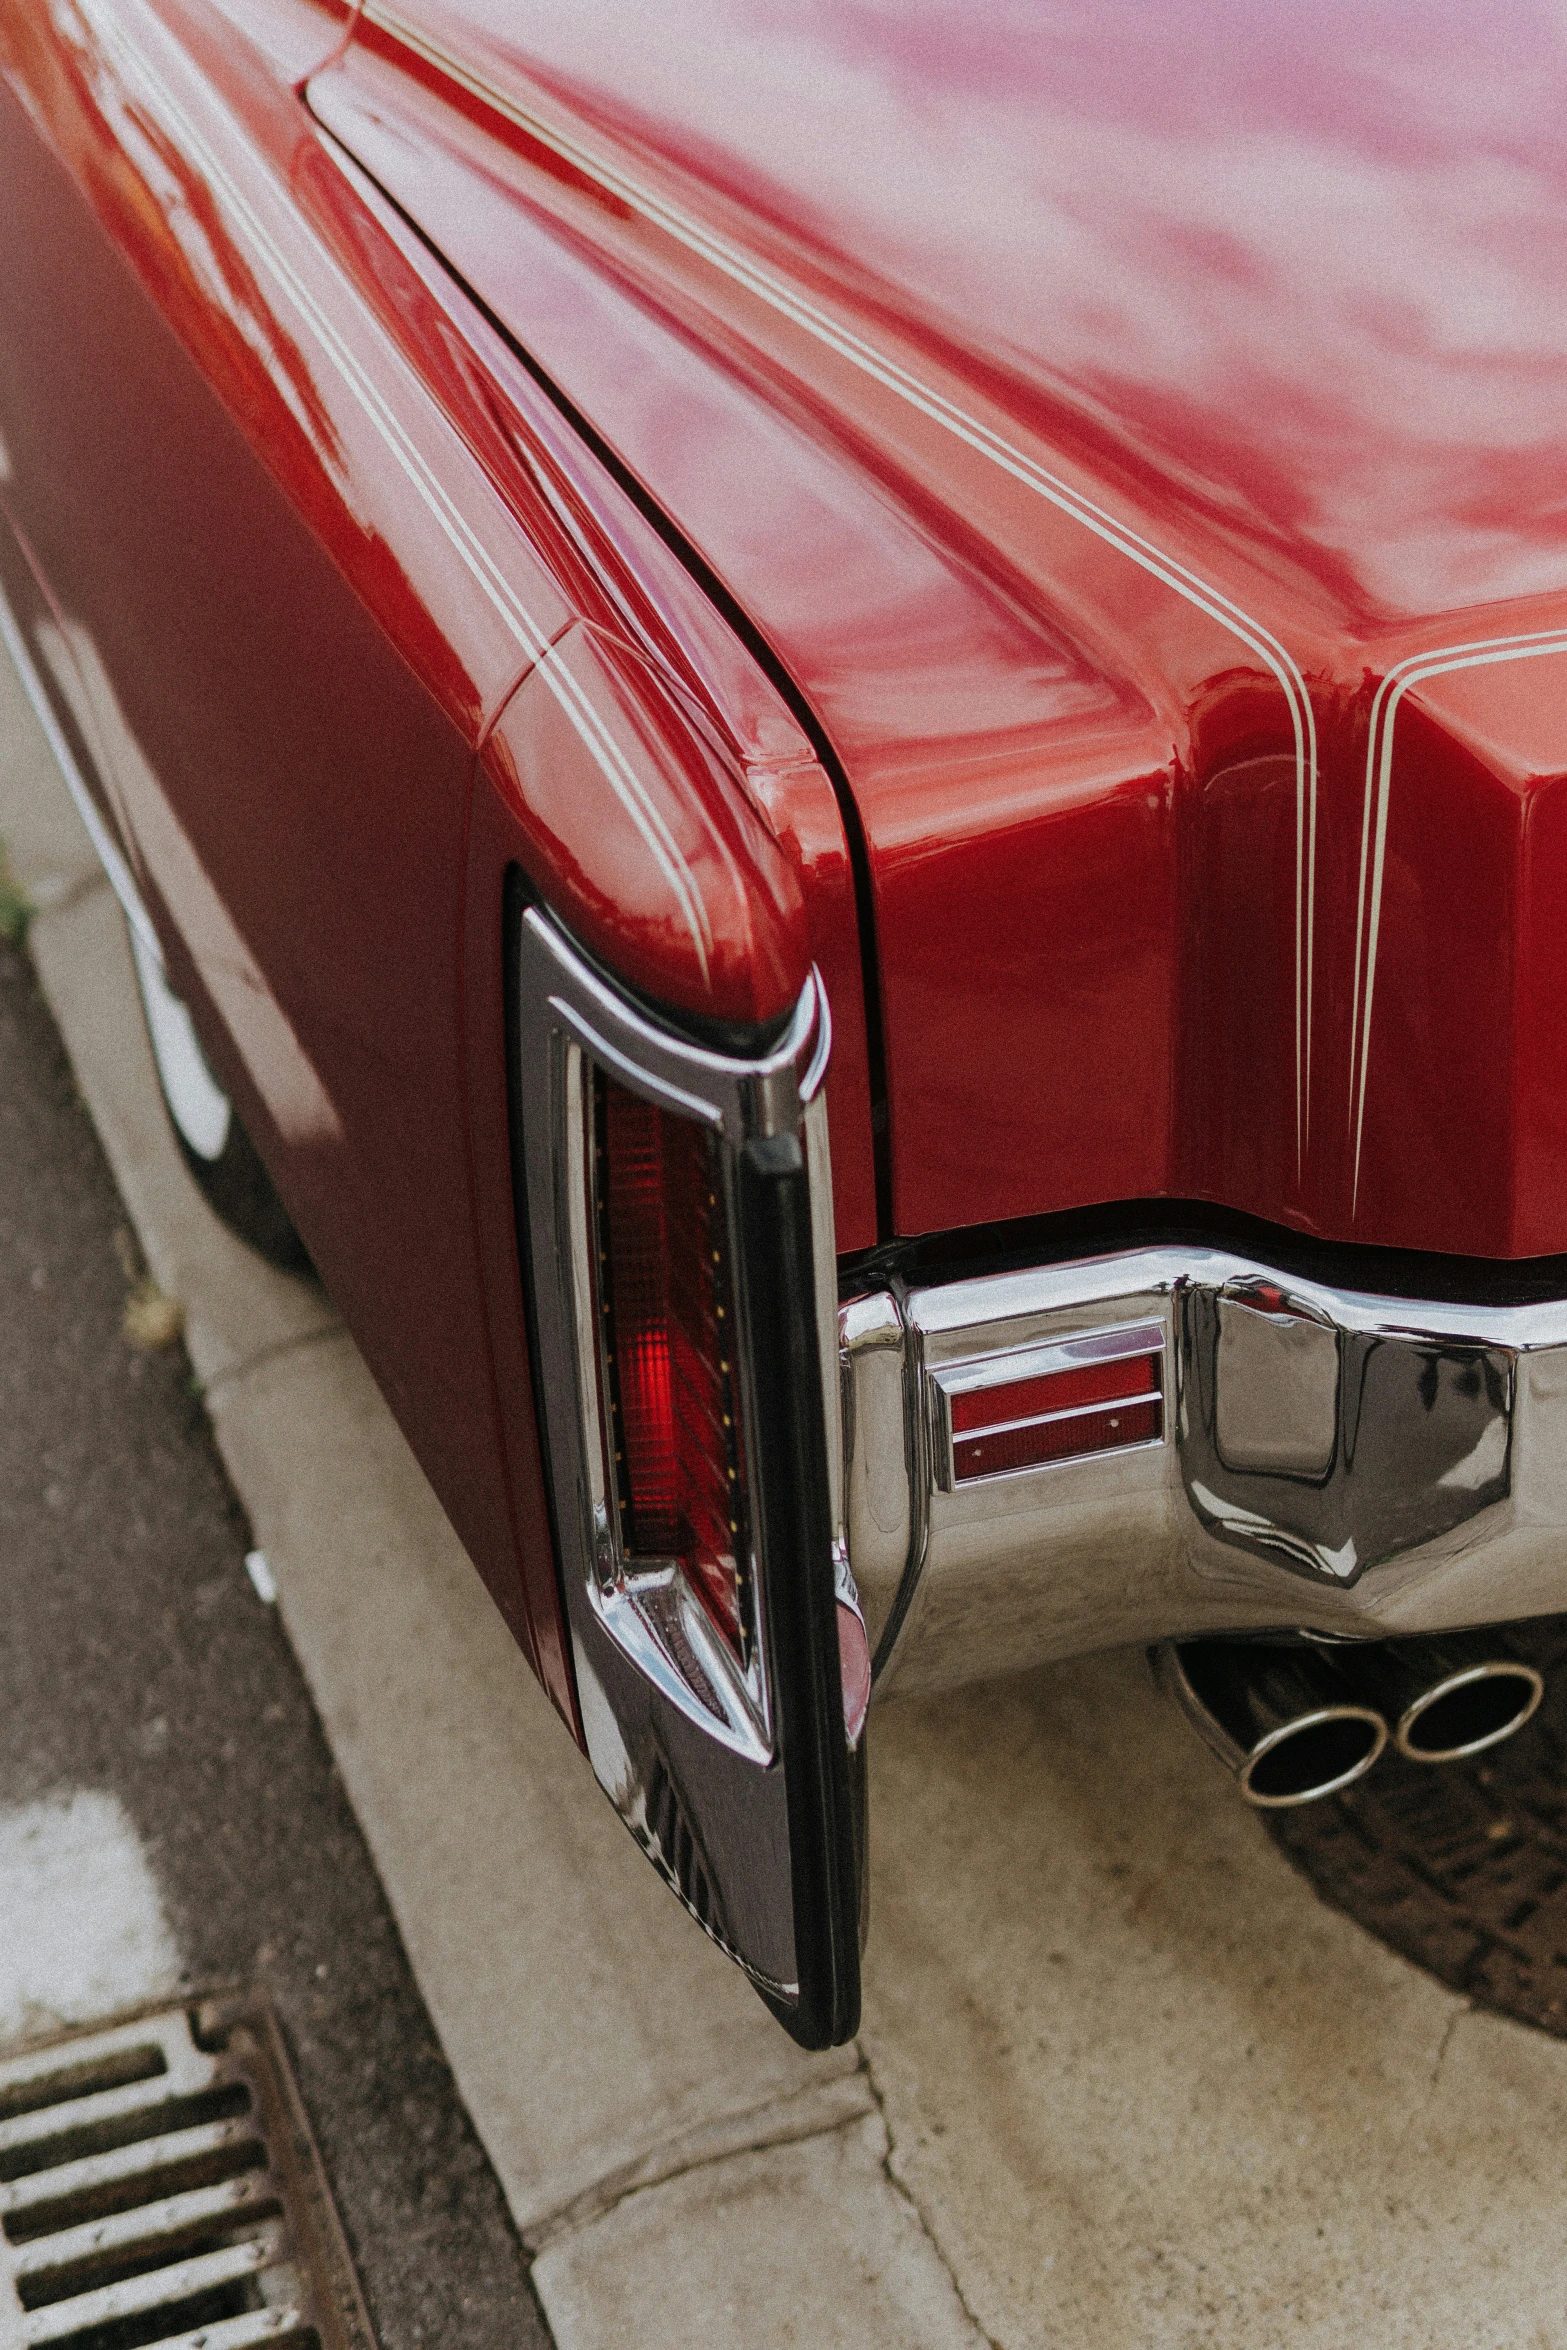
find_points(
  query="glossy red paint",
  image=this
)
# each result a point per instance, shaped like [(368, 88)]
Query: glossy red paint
[(247, 349), (1092, 409), (297, 828), (642, 601), (778, 859), (1170, 574)]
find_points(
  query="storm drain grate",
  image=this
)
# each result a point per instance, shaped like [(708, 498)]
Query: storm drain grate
[(159, 2186)]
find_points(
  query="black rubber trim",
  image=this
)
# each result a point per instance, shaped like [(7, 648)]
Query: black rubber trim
[(1128, 1224), (789, 1456), (516, 897), (756, 645)]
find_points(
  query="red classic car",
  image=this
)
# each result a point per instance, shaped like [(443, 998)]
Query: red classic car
[(835, 737)]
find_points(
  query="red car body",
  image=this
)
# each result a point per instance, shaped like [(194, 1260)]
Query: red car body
[(1059, 508)]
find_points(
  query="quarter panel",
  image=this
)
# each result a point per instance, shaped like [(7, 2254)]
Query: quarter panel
[(268, 556), (281, 369)]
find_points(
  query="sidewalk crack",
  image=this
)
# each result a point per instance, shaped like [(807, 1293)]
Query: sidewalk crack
[(822, 2110), (226, 1378), (900, 2188), (1453, 2022), (67, 897)]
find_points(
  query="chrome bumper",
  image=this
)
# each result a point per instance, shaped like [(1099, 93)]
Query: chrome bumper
[(1300, 1456)]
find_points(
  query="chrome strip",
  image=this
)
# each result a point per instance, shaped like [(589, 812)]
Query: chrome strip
[(106, 849), (1117, 1345), (197, 1103), (1075, 1411), (681, 1733)]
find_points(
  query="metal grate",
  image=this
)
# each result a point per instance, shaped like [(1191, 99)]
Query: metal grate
[(159, 2186)]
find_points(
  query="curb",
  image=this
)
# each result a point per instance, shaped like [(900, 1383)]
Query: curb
[(638, 2104)]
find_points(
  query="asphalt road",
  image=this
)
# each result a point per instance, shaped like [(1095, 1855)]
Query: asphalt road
[(136, 1660)]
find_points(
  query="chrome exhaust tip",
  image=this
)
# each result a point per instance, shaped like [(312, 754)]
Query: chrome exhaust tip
[(1281, 1720), (1447, 1699)]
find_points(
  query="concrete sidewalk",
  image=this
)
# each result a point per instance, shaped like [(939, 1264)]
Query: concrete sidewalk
[(171, 1818), (1123, 2080)]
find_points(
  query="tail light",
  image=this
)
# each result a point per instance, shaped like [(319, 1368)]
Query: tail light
[(678, 1221), (667, 1324)]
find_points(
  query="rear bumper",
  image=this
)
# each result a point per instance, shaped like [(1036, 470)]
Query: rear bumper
[(1262, 1451)]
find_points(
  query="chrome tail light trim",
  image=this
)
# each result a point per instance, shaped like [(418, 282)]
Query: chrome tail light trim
[(729, 1764)]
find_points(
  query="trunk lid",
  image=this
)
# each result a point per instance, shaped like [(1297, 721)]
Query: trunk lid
[(1139, 434)]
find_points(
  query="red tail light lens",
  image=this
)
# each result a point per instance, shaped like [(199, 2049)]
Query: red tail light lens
[(668, 1328)]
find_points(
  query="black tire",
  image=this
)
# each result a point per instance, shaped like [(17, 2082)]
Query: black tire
[(213, 1142)]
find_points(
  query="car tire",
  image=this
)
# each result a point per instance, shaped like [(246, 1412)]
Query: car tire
[(214, 1144)]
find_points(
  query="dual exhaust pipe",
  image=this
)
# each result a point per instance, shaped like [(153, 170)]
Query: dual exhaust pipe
[(1295, 1723)]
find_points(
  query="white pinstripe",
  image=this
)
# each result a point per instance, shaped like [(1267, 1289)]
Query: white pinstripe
[(785, 299), (587, 722), (1412, 671)]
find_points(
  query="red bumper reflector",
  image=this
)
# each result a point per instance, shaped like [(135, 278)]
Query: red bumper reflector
[(664, 1302), (1058, 1415), (1038, 1441), (1056, 1391)]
